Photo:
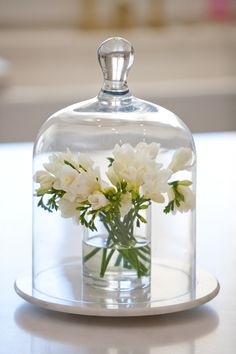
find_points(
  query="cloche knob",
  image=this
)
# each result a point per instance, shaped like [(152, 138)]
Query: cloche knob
[(116, 56)]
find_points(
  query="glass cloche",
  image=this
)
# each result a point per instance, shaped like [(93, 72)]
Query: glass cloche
[(114, 198)]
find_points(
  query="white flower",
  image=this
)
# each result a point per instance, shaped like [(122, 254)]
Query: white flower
[(130, 164), (189, 199), (98, 200), (85, 162), (84, 184), (45, 179), (65, 176), (148, 150), (182, 160), (53, 165), (68, 209), (58, 160), (87, 183), (113, 177), (126, 204), (156, 183), (131, 174), (124, 166), (124, 153), (80, 162), (75, 177)]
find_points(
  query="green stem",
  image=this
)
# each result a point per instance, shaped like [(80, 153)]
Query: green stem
[(106, 262), (142, 256), (103, 263), (120, 238), (131, 256), (91, 254), (146, 249), (118, 260)]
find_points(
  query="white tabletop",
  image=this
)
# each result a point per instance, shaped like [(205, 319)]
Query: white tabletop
[(211, 328)]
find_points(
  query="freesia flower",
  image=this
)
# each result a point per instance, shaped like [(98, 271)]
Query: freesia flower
[(188, 202), (125, 166), (84, 184), (131, 174), (98, 200), (58, 160), (87, 183), (68, 209), (80, 162), (85, 162), (113, 176), (45, 180), (149, 151), (182, 160), (130, 164), (65, 176), (156, 183), (74, 175)]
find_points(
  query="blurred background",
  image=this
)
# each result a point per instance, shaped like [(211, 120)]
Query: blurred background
[(185, 58)]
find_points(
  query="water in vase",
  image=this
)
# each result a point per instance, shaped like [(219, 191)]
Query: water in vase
[(115, 267)]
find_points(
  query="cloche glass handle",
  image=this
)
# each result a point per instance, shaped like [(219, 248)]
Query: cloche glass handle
[(116, 56)]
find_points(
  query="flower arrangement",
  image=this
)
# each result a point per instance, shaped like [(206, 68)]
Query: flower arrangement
[(73, 185)]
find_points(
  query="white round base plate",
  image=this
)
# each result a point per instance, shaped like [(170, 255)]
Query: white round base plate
[(207, 287)]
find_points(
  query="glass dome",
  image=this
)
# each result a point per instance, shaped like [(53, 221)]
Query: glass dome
[(112, 157)]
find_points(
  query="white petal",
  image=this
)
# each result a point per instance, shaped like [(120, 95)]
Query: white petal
[(67, 208), (126, 204), (98, 200), (148, 150), (182, 160), (189, 198)]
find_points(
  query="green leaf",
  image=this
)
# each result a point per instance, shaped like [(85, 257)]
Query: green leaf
[(141, 218), (185, 183), (41, 192), (82, 168), (135, 195), (123, 185), (42, 205), (169, 207), (143, 206), (70, 164), (91, 212), (174, 183), (111, 160)]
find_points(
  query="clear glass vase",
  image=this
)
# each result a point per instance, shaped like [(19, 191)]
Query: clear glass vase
[(117, 256)]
